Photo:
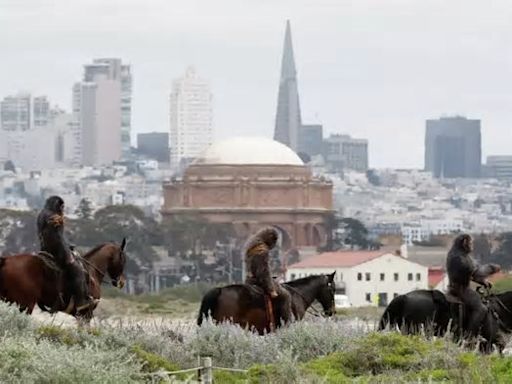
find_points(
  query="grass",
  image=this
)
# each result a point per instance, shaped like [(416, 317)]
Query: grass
[(177, 302), (314, 351)]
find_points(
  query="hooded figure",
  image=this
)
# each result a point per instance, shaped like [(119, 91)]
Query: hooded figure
[(257, 255), (462, 269), (50, 230)]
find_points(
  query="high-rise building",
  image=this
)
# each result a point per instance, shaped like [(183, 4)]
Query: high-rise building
[(191, 118), (342, 152), (122, 72), (154, 145), (499, 167), (21, 112), (102, 111), (453, 147), (288, 119), (310, 139), (28, 131)]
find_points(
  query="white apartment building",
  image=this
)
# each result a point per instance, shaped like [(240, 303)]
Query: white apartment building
[(191, 118), (367, 278)]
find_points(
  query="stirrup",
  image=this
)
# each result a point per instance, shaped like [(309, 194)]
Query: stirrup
[(90, 304)]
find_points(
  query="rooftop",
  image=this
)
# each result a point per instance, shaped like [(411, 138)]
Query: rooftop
[(343, 259), (249, 151)]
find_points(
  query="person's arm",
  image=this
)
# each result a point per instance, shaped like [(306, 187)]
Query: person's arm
[(482, 272)]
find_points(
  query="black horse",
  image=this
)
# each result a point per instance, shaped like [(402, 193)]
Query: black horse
[(430, 311), (245, 304)]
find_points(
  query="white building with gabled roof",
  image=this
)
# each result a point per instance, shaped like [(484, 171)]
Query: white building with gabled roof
[(367, 278)]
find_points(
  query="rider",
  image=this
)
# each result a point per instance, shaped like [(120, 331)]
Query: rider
[(462, 269), (50, 229), (257, 251)]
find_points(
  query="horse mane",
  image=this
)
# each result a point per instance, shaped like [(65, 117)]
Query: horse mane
[(94, 250), (303, 280)]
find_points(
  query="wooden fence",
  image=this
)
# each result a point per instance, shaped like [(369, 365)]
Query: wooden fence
[(204, 372)]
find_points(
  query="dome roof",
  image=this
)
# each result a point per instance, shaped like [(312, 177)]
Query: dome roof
[(249, 151)]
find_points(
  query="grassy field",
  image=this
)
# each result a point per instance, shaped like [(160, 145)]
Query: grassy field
[(314, 351)]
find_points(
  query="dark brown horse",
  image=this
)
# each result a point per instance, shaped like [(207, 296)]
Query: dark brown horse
[(28, 279), (245, 305)]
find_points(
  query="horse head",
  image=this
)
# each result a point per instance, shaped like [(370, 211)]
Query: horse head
[(326, 293), (116, 264)]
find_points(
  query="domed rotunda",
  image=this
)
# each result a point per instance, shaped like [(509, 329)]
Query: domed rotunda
[(253, 182)]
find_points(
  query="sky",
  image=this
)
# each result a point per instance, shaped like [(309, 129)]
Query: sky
[(374, 69)]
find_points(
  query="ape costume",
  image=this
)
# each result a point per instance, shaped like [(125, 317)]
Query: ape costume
[(257, 266), (462, 269), (50, 229)]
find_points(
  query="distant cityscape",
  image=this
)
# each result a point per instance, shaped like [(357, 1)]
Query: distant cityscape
[(86, 153)]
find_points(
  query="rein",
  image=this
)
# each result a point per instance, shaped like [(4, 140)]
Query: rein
[(316, 312), (87, 262), (490, 297)]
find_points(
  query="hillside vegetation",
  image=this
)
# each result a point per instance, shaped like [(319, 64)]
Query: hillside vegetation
[(319, 351)]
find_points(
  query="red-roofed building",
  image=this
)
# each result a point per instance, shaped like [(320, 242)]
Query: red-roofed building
[(367, 278)]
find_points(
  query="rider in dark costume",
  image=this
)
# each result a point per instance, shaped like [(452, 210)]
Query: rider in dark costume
[(462, 269), (258, 273), (50, 229)]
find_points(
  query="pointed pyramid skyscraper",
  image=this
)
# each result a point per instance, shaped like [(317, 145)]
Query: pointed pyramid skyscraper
[(288, 119)]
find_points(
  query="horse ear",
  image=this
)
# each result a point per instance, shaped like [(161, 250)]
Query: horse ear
[(123, 244), (331, 276)]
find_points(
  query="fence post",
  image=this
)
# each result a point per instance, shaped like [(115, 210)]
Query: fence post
[(207, 371)]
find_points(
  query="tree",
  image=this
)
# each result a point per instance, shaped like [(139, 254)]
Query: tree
[(84, 209), (503, 253), (356, 234), (18, 231), (482, 247), (343, 232), (115, 222)]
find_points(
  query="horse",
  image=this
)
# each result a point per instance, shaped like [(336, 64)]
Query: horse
[(246, 305), (29, 279), (432, 311)]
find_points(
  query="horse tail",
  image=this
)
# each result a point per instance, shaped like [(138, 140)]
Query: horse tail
[(393, 312), (2, 263), (208, 304)]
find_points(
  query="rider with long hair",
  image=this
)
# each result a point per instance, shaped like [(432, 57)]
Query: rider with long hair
[(50, 229), (257, 254)]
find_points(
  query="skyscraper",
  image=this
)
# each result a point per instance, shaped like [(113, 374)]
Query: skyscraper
[(453, 147), (191, 118), (288, 120), (30, 130), (102, 111), (17, 112), (310, 139), (123, 73), (342, 152)]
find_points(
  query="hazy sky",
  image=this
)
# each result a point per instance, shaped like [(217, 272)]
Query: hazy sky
[(374, 69)]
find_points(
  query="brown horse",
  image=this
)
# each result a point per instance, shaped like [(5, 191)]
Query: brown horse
[(245, 305), (28, 279)]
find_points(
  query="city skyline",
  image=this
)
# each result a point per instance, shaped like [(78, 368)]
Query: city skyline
[(406, 66)]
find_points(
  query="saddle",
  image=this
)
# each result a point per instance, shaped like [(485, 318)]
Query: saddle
[(269, 308), (64, 300)]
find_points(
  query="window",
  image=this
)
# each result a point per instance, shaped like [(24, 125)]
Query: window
[(418, 276), (383, 299), (368, 276), (395, 295), (409, 276), (382, 277), (292, 276), (369, 297), (359, 276), (340, 276), (395, 276)]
